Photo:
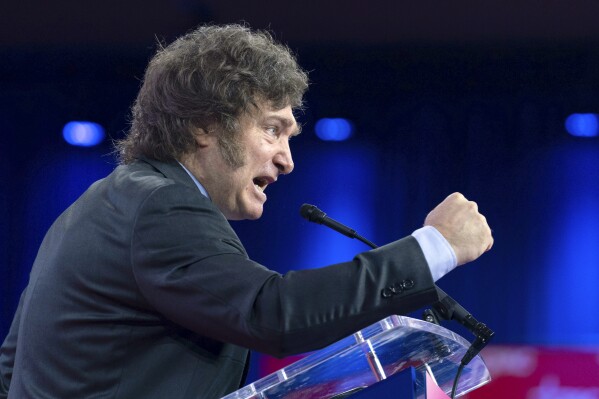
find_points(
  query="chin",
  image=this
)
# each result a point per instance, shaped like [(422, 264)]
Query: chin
[(248, 214), (254, 215)]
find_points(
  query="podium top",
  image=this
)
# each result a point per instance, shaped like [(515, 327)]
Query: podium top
[(370, 355)]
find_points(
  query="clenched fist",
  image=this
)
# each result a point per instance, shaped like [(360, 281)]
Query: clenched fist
[(458, 220)]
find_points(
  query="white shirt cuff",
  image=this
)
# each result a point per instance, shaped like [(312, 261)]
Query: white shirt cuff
[(437, 251)]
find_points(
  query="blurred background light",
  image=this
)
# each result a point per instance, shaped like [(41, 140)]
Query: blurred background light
[(83, 134), (333, 129), (583, 125)]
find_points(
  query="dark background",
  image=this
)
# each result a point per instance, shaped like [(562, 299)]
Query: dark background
[(444, 96)]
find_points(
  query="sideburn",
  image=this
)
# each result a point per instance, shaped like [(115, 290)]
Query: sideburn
[(231, 150)]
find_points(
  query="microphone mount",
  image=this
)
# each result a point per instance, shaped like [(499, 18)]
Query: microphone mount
[(449, 309)]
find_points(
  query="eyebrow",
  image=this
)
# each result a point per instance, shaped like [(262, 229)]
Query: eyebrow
[(286, 122)]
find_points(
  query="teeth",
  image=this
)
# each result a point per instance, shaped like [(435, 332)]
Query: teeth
[(260, 188)]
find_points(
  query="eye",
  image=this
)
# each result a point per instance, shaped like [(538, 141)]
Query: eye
[(272, 130)]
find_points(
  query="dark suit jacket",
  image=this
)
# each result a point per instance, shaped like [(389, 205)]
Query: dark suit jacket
[(141, 289)]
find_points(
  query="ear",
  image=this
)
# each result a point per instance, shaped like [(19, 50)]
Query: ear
[(204, 139)]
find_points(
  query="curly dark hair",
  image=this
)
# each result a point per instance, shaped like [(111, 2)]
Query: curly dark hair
[(208, 79)]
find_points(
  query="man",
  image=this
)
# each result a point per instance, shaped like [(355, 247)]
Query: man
[(141, 289)]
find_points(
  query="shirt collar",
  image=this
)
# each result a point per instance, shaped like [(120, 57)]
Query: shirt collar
[(198, 184)]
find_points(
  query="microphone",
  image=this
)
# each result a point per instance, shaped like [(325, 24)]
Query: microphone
[(449, 309), (315, 215), (312, 214)]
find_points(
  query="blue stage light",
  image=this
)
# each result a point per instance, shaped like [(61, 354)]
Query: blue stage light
[(83, 134), (333, 129), (583, 125)]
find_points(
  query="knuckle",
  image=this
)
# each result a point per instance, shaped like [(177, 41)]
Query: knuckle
[(456, 196)]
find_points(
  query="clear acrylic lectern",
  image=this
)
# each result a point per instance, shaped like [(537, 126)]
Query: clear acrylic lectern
[(392, 347)]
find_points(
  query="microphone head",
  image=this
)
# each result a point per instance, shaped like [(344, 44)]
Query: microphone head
[(312, 213)]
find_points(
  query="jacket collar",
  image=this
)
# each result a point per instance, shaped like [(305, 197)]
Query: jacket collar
[(172, 170)]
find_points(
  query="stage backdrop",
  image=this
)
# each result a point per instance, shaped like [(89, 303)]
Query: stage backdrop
[(428, 120)]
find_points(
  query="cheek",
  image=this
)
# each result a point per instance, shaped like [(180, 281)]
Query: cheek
[(241, 181)]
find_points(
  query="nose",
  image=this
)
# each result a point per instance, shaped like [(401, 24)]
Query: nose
[(283, 160)]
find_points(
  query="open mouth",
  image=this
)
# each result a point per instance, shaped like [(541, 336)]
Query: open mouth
[(261, 183)]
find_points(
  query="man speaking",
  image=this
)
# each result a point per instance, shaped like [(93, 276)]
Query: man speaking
[(141, 289)]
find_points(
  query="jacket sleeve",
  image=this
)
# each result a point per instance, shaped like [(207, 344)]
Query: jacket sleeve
[(191, 267), (8, 351)]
